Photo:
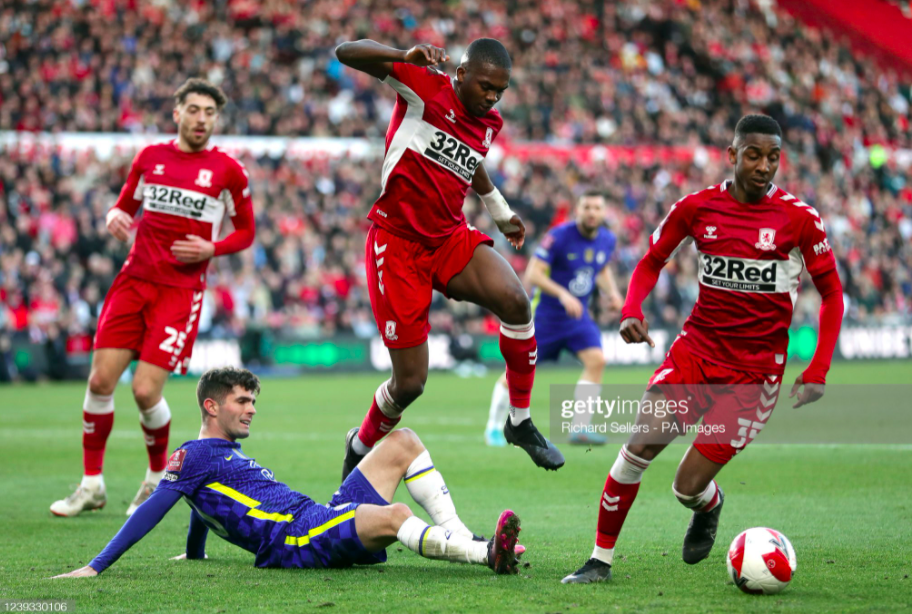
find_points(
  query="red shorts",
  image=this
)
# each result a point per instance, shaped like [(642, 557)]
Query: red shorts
[(734, 405), (401, 277), (158, 322)]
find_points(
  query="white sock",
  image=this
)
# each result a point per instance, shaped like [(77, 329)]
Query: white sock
[(156, 416), (500, 401), (701, 503), (437, 543), (98, 403), (518, 414), (427, 488), (605, 555), (584, 391), (154, 477), (93, 482)]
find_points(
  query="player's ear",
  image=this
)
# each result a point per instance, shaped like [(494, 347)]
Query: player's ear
[(732, 155), (211, 407), (460, 74), (175, 114)]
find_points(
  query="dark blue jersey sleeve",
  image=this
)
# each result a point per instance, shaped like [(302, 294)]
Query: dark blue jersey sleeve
[(139, 524), (546, 248), (187, 470), (196, 537)]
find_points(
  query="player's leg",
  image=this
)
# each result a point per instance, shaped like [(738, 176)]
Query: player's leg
[(410, 371), (108, 364), (497, 414), (655, 430), (400, 288), (403, 457), (155, 420), (117, 342), (489, 281), (695, 487), (588, 386)]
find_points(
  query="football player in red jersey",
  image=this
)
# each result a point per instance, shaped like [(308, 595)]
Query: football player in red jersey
[(438, 137), (186, 188), (753, 240)]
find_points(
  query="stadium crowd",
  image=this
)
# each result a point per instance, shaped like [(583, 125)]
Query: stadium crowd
[(672, 72)]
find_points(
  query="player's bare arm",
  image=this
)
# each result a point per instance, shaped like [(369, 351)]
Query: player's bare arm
[(608, 285), (510, 224), (377, 60), (537, 275)]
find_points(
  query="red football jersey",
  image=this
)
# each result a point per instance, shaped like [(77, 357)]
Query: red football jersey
[(181, 194), (750, 260), (433, 146)]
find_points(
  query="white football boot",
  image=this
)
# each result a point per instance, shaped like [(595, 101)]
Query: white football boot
[(145, 490), (84, 499)]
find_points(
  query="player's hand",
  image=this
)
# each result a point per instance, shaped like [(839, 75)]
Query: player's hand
[(118, 222), (194, 249), (426, 55), (514, 231), (809, 394), (634, 331), (572, 305), (82, 572), (183, 557)]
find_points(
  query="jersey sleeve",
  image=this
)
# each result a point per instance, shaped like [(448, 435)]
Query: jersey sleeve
[(130, 198), (813, 243), (187, 470), (671, 235), (610, 244), (546, 248), (241, 214), (410, 80)]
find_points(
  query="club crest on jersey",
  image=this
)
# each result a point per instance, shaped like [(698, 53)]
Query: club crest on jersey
[(451, 116), (159, 169), (489, 138), (391, 330), (767, 236), (205, 178), (710, 233), (588, 255)]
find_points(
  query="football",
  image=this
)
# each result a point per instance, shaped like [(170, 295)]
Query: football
[(761, 561)]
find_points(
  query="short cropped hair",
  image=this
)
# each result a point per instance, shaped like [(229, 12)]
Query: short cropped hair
[(757, 124), (200, 86), (592, 193), (217, 384), (487, 51)]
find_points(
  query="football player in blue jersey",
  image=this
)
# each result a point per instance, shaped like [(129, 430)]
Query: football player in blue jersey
[(241, 501), (571, 260)]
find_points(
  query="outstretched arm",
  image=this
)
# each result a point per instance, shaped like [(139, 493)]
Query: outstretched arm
[(377, 60), (673, 232), (138, 526), (507, 221), (196, 537), (831, 310)]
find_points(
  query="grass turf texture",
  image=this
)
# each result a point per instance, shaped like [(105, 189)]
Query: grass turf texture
[(847, 510)]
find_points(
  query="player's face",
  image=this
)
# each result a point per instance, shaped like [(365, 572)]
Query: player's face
[(590, 213), (756, 160), (235, 414), (195, 120), (480, 87)]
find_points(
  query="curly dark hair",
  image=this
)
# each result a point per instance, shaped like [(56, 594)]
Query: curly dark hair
[(216, 384), (200, 86)]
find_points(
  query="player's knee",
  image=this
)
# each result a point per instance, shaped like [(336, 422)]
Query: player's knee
[(407, 440), (409, 388), (515, 306), (398, 513), (595, 363), (642, 450), (101, 383), (145, 393), (686, 487)]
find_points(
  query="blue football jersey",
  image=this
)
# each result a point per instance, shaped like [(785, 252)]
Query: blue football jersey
[(575, 261), (238, 499)]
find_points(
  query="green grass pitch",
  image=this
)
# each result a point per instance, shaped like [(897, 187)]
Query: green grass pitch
[(847, 510)]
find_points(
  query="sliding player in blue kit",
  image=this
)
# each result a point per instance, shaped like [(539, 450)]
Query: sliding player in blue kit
[(242, 502)]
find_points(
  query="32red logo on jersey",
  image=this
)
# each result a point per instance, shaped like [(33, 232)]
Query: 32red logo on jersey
[(176, 460)]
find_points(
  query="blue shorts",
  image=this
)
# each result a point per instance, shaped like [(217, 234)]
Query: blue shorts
[(574, 336), (324, 535)]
